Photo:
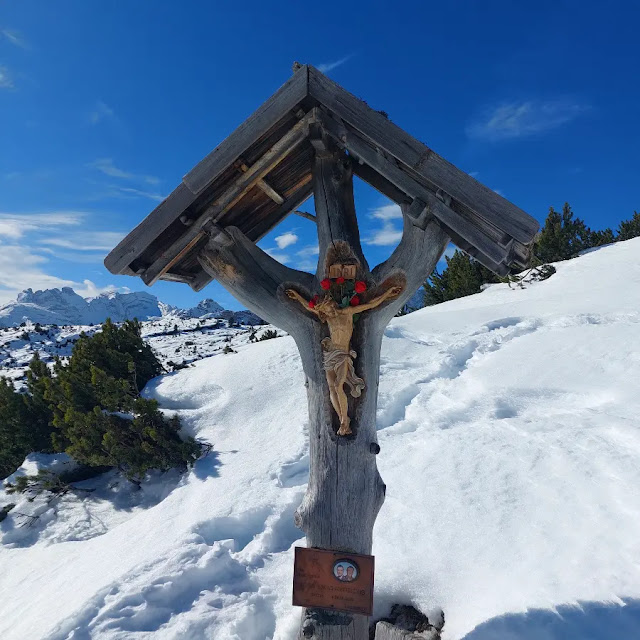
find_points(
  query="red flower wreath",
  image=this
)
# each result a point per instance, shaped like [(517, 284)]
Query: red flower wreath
[(360, 286), (326, 284), (355, 301)]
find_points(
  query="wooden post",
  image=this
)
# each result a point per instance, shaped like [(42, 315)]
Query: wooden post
[(345, 490)]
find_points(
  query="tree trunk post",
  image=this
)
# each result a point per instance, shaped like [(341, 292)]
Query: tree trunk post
[(345, 490)]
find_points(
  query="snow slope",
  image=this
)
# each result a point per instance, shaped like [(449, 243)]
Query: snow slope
[(509, 425)]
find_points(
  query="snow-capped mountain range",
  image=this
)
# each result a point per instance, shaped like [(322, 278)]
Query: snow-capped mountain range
[(65, 307)]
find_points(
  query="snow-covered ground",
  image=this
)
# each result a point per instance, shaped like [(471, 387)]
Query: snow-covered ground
[(509, 424), (176, 341)]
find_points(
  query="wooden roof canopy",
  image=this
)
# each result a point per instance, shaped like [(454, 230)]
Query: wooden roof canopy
[(262, 172)]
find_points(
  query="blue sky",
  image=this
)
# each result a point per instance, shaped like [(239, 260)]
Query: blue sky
[(105, 106)]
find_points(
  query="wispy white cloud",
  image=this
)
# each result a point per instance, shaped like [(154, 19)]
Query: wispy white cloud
[(15, 225), (101, 111), (325, 67), (387, 212), (89, 289), (522, 119), (74, 256), (15, 38), (280, 257), (286, 240), (389, 234), (85, 240), (106, 166), (306, 257), (386, 236), (26, 263), (6, 81), (20, 269), (309, 250), (139, 193)]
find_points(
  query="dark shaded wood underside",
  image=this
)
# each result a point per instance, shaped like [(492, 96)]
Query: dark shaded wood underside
[(165, 245)]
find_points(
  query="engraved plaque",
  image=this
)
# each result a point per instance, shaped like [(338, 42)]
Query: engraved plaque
[(333, 580)]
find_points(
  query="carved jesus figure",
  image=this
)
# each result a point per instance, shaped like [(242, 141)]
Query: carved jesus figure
[(338, 356)]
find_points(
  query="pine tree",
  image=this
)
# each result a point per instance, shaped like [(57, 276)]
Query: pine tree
[(39, 412), (463, 276), (600, 238), (14, 442), (102, 419), (562, 236), (630, 228)]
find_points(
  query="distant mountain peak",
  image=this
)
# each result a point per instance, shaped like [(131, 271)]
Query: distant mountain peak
[(65, 306)]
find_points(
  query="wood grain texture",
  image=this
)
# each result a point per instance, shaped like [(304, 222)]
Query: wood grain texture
[(302, 193), (134, 244), (335, 207), (393, 173), (267, 188), (286, 99), (416, 155), (345, 491), (180, 247), (252, 276)]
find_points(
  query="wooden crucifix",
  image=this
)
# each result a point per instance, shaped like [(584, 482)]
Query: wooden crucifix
[(310, 138), (345, 491)]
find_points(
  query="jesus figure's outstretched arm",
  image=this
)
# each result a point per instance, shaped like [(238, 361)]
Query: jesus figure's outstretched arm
[(294, 295), (392, 292)]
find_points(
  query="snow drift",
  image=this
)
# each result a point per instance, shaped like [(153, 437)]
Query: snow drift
[(509, 425)]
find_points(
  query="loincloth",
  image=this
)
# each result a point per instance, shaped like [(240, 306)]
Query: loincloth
[(336, 360)]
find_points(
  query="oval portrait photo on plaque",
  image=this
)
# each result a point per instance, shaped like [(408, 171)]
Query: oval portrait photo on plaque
[(333, 580), (345, 570)]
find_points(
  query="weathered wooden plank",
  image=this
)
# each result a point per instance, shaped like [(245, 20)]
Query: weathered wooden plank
[(305, 214), (200, 281), (286, 99), (386, 188), (392, 172), (404, 147), (256, 172), (263, 227), (501, 269), (134, 244), (178, 250), (264, 186), (176, 277)]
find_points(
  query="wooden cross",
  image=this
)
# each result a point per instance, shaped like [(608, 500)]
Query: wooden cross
[(310, 138)]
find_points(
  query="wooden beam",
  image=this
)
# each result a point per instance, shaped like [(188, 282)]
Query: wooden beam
[(134, 244), (302, 193), (285, 100), (262, 184), (409, 151), (386, 188), (393, 173), (304, 214), (175, 252), (200, 281), (176, 277)]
